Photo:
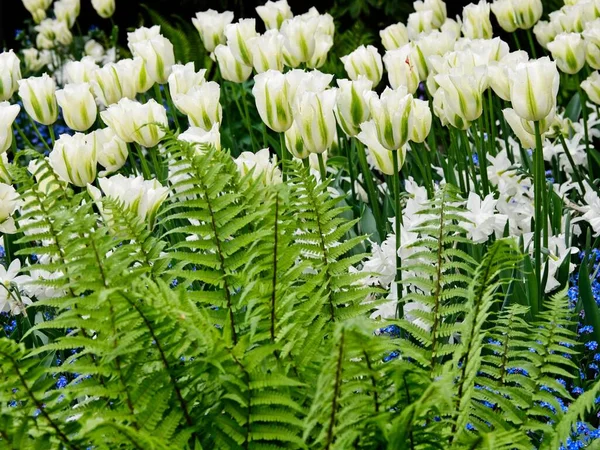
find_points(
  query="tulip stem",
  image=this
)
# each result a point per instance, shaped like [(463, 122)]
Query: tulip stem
[(539, 188), (531, 43), (249, 122), (171, 107), (572, 162), (37, 131), (398, 222), (52, 136), (349, 154), (283, 155), (370, 185), (582, 99), (143, 162), (322, 167), (23, 136), (482, 158)]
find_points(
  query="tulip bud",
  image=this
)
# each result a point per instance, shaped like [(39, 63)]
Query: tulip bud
[(142, 34), (197, 135), (67, 11), (568, 51), (299, 38), (231, 69), (104, 8), (402, 71), (591, 86), (37, 8), (201, 105), (271, 92), (419, 121), (391, 114), (158, 55), (267, 52), (394, 36), (106, 85), (437, 7), (294, 142), (9, 201), (533, 88), (498, 73), (545, 33), (34, 59), (184, 78), (316, 120), (133, 77), (74, 159), (94, 49), (464, 96), (261, 166), (10, 74), (379, 156), (300, 82), (351, 106), (51, 33), (365, 61), (81, 71), (513, 14), (8, 114), (39, 98), (144, 197), (324, 42), (211, 26), (238, 37), (420, 22), (111, 150), (78, 106), (591, 36), (434, 43), (273, 14), (476, 21), (572, 19), (136, 122), (514, 121)]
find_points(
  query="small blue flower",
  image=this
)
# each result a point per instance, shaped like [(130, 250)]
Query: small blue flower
[(591, 345)]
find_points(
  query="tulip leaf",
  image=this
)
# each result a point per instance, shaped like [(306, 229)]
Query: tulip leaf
[(573, 110), (592, 314)]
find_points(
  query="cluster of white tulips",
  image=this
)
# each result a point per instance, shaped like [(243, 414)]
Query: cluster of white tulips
[(462, 106)]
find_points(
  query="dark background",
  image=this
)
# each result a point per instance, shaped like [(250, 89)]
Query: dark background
[(375, 14)]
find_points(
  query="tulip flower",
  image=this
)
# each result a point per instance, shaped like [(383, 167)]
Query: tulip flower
[(322, 47), (476, 21), (381, 157), (267, 52), (8, 114), (34, 59), (9, 201), (514, 121), (391, 114), (273, 14), (231, 69), (402, 70), (591, 37), (184, 78), (365, 61), (351, 106), (81, 71), (419, 22), (394, 36), (513, 14), (463, 95), (201, 105), (211, 26), (419, 121), (591, 86), (437, 7), (37, 8), (78, 106), (261, 166), (316, 120), (545, 32), (108, 84), (238, 37), (67, 11), (10, 74), (568, 51), (52, 32), (498, 73), (197, 135), (533, 88), (301, 35), (74, 159), (294, 142), (111, 150), (39, 98), (300, 81), (104, 8), (271, 92), (142, 34), (158, 55)]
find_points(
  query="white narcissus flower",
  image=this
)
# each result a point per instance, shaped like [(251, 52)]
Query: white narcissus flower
[(271, 91), (476, 21), (273, 14), (463, 95), (557, 253), (67, 11), (197, 135), (482, 219), (52, 32), (81, 71), (74, 158), (39, 98), (391, 114), (316, 120), (34, 59), (8, 114), (498, 73), (239, 36), (592, 209), (402, 70), (231, 69), (591, 86), (111, 150), (104, 8), (437, 7), (78, 106), (261, 166), (201, 105), (364, 61), (10, 74), (351, 106), (211, 26), (10, 277), (513, 14), (419, 22), (266, 52), (394, 36), (9, 201), (533, 88), (37, 8), (136, 122), (144, 197), (379, 156), (158, 55), (184, 77)]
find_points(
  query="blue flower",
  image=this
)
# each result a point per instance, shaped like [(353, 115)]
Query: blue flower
[(591, 345)]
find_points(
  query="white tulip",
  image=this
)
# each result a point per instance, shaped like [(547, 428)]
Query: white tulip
[(391, 114), (94, 49), (591, 36), (104, 8), (197, 135), (260, 165), (267, 52), (273, 14), (533, 88), (365, 61), (39, 98), (201, 105), (67, 11), (591, 86), (8, 114), (464, 96), (35, 60), (133, 77), (437, 7), (402, 70), (568, 51), (10, 74), (211, 26), (351, 105), (142, 34), (514, 121), (419, 22), (498, 73), (239, 35), (74, 158), (545, 32), (109, 83), (513, 14), (184, 78), (300, 34), (9, 201), (381, 157), (322, 47), (300, 81), (394, 36), (316, 120), (37, 8), (231, 69), (271, 92), (52, 32), (158, 55), (81, 71), (78, 106), (476, 21), (419, 121), (294, 142), (111, 150)]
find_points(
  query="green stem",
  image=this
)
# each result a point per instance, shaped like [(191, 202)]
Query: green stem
[(143, 162), (396, 188), (283, 155), (531, 43), (172, 107), (482, 158), (584, 112), (23, 136), (249, 121), (539, 188), (322, 167), (576, 173), (371, 190), (349, 155), (52, 136), (37, 131)]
